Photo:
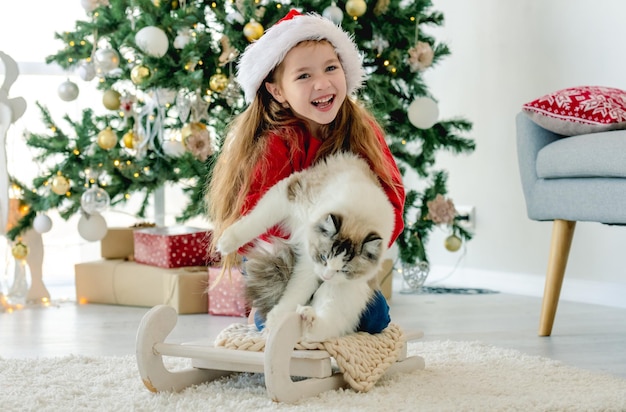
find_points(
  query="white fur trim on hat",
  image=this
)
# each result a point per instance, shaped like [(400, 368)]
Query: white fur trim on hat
[(262, 56)]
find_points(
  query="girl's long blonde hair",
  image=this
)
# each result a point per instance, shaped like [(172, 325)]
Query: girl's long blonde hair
[(354, 130)]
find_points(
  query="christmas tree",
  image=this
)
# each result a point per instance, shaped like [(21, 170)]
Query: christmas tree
[(166, 71)]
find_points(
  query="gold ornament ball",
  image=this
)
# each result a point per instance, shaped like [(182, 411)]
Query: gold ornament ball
[(129, 140), (218, 82), (60, 185), (453, 243), (24, 209), (111, 100), (139, 74), (19, 251), (356, 8), (253, 30), (107, 139)]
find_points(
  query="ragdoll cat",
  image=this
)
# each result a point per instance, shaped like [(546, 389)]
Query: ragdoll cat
[(340, 221)]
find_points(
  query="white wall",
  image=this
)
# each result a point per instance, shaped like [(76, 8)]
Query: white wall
[(503, 55)]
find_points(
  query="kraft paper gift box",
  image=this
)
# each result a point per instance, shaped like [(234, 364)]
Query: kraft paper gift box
[(119, 282), (172, 247), (226, 297), (385, 278), (118, 243)]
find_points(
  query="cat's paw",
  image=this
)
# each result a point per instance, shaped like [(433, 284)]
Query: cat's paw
[(274, 317), (308, 316), (229, 242)]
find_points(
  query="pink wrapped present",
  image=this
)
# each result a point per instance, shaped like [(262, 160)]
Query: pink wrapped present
[(173, 247), (226, 297)]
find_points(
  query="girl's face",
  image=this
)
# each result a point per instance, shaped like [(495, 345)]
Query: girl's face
[(311, 81)]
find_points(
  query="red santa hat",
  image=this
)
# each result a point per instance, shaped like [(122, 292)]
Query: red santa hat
[(263, 55)]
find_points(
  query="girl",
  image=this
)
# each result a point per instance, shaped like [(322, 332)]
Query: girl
[(298, 79)]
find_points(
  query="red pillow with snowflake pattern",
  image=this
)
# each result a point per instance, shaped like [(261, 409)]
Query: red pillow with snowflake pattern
[(579, 110)]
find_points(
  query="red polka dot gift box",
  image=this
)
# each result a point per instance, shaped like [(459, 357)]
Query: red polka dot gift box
[(227, 293), (173, 246)]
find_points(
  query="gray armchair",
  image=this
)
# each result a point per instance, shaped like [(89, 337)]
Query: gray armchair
[(566, 180)]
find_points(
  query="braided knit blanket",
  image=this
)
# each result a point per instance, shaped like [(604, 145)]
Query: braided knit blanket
[(361, 357)]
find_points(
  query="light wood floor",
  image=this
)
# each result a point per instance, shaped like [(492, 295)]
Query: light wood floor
[(586, 336)]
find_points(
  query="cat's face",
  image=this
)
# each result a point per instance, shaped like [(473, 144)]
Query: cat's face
[(344, 249)]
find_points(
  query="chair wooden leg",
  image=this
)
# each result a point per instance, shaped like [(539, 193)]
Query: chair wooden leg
[(562, 235)]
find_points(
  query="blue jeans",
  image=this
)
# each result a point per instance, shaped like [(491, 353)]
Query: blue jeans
[(374, 319)]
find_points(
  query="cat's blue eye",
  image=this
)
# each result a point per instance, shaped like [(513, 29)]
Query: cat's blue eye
[(323, 258)]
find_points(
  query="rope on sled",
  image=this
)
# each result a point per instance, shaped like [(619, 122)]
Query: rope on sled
[(361, 357)]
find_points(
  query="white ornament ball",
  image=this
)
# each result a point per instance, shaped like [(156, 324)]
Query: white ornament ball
[(173, 148), (68, 91), (89, 5), (86, 71), (106, 60), (423, 113), (42, 223), (152, 41), (92, 227), (333, 13)]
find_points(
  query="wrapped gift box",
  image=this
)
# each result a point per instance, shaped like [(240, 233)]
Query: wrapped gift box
[(118, 243), (120, 282), (385, 278), (173, 247), (226, 296)]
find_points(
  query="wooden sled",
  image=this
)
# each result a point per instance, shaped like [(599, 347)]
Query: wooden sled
[(279, 362)]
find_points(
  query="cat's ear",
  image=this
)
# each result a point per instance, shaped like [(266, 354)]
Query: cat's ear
[(331, 225), (372, 247)]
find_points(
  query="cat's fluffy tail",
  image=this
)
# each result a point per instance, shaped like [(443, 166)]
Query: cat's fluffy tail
[(268, 268)]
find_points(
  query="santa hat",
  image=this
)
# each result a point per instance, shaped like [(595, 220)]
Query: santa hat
[(262, 56)]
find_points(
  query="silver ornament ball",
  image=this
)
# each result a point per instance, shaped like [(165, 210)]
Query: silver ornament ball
[(86, 71), (68, 91), (95, 200), (333, 13), (106, 60)]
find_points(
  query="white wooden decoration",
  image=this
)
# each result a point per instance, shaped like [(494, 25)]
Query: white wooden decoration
[(11, 109)]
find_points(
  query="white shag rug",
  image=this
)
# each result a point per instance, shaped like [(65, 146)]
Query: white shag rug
[(459, 376)]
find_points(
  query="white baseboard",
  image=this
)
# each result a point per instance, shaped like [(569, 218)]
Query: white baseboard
[(576, 290)]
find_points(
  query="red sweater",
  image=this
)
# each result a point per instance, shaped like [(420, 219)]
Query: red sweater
[(282, 161)]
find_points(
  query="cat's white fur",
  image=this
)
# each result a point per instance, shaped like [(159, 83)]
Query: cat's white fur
[(343, 184)]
